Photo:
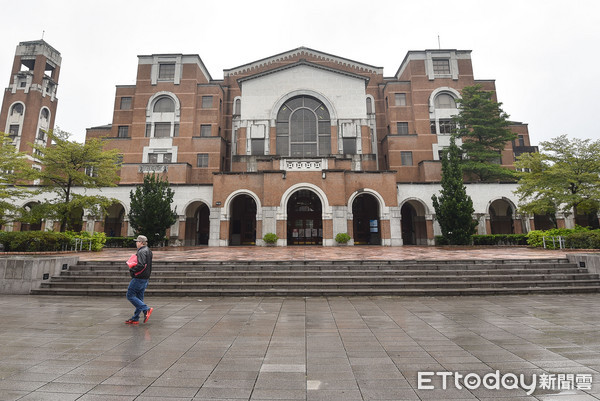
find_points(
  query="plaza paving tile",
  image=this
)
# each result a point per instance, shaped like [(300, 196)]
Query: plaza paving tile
[(313, 348), (337, 348)]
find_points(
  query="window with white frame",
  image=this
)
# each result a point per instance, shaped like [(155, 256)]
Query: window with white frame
[(163, 118), (303, 128)]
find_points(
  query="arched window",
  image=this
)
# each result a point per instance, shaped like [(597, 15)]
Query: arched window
[(17, 109), (445, 101), (303, 128), (164, 105), (163, 120)]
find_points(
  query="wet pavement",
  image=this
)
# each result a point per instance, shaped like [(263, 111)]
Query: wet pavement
[(330, 253), (314, 348)]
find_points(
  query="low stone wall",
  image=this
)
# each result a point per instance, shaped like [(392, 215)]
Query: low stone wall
[(591, 260), (21, 274)]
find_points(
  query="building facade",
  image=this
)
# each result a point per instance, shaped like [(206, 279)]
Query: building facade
[(303, 144)]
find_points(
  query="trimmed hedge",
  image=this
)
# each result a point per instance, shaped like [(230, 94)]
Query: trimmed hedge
[(494, 240), (49, 241), (500, 239), (34, 241)]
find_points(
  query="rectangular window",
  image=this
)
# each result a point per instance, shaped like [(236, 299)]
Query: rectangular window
[(167, 157), (257, 147), (152, 157), (349, 145), (166, 71), (441, 66), (400, 99), (125, 103), (406, 158), (447, 126), (202, 160), (162, 130), (123, 131), (41, 135), (13, 130), (402, 128), (205, 130), (207, 102)]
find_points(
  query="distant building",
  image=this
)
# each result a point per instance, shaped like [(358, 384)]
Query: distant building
[(303, 144)]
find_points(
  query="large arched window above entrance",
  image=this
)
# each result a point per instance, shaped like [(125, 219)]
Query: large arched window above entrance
[(303, 128)]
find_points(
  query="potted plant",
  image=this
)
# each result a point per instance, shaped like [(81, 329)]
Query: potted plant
[(342, 238), (270, 239)]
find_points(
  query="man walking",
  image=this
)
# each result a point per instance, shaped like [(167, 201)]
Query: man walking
[(140, 274)]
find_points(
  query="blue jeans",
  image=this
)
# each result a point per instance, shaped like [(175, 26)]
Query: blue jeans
[(135, 295)]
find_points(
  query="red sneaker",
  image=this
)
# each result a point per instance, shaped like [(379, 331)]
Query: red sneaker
[(132, 321), (147, 314)]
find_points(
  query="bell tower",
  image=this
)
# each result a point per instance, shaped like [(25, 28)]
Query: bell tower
[(29, 104)]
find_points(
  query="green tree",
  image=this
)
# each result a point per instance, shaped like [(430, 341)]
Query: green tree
[(15, 174), (68, 164), (454, 208), (483, 126), (150, 212), (564, 177)]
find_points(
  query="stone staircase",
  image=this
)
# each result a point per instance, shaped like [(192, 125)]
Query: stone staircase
[(329, 278)]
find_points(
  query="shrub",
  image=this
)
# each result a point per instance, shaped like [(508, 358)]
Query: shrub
[(500, 239), (97, 239), (34, 241), (342, 238), (583, 240), (535, 238), (270, 238)]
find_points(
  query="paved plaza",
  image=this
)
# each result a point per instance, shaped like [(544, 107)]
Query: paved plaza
[(276, 348)]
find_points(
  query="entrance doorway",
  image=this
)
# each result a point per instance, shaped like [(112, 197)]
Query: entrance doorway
[(367, 227), (197, 224), (414, 226), (242, 226), (304, 219), (113, 221), (501, 217)]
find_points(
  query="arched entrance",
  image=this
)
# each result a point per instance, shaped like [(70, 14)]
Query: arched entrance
[(34, 224), (113, 222), (414, 226), (367, 226), (304, 219), (197, 224), (242, 225), (501, 217)]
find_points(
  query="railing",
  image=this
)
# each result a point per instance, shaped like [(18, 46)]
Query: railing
[(560, 240), (77, 244)]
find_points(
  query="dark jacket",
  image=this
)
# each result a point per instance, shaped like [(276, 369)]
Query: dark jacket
[(143, 269)]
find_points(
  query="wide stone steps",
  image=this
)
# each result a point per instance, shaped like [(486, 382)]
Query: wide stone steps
[(317, 278)]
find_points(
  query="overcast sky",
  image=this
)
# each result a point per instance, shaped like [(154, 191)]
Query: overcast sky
[(543, 54)]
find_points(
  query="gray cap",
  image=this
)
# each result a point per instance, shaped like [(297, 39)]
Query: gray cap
[(141, 238)]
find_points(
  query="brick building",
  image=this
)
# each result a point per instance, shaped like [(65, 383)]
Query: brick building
[(303, 144)]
